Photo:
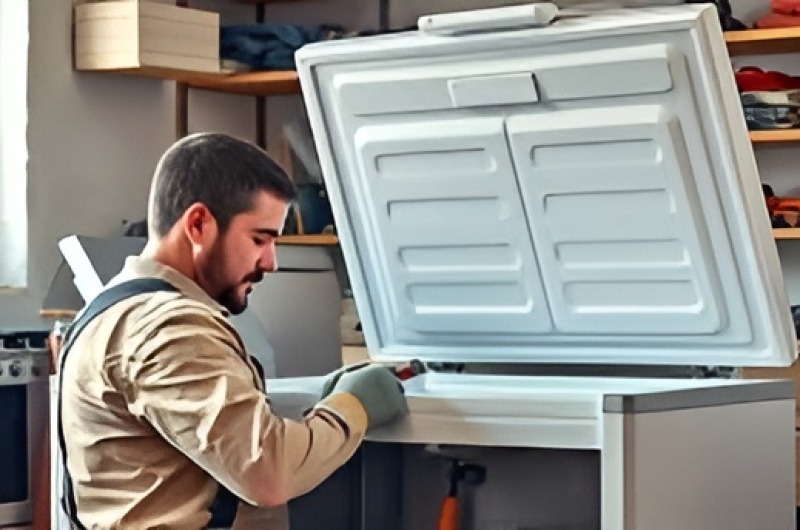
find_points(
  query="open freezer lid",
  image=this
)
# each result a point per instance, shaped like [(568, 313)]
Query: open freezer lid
[(584, 192)]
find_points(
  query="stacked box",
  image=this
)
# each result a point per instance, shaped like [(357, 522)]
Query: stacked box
[(113, 35)]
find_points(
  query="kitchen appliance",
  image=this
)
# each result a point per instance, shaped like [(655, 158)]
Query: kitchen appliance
[(23, 400), (579, 195)]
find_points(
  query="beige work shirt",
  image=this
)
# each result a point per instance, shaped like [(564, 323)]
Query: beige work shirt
[(161, 401)]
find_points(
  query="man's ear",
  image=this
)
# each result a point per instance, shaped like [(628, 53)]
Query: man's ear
[(199, 224)]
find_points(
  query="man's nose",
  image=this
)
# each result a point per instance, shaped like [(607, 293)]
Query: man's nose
[(269, 259)]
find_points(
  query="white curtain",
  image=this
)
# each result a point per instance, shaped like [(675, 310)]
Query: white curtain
[(13, 146)]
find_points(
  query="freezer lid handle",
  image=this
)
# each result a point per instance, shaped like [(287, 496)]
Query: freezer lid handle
[(492, 19)]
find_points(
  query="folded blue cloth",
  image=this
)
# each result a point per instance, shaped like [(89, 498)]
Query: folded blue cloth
[(267, 46)]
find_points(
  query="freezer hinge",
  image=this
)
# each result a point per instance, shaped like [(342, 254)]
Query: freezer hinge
[(444, 367), (716, 372)]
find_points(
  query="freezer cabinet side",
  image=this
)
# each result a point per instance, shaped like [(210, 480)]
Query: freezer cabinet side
[(707, 465)]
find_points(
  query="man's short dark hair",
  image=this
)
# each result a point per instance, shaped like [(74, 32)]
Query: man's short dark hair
[(218, 170)]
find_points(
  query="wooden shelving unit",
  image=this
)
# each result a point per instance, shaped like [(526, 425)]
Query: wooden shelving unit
[(268, 83), (323, 240), (766, 42), (786, 233), (775, 137), (763, 41)]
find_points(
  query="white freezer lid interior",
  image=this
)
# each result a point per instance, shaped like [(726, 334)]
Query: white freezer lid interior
[(580, 193)]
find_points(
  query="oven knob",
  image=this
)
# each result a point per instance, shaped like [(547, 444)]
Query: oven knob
[(36, 371), (15, 369)]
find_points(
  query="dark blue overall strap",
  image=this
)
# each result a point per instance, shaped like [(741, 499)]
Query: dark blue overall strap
[(103, 301), (223, 510)]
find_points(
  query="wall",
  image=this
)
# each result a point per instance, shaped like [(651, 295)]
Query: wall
[(93, 139)]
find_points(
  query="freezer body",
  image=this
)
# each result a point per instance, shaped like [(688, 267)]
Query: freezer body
[(572, 453)]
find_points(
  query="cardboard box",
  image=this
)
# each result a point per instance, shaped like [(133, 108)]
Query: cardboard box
[(132, 34)]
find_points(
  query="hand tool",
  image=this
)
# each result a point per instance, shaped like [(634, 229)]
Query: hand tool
[(410, 369), (449, 517)]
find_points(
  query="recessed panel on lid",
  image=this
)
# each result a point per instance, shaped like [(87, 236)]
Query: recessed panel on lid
[(616, 227), (453, 234)]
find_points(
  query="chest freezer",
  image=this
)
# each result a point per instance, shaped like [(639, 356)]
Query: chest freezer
[(579, 192)]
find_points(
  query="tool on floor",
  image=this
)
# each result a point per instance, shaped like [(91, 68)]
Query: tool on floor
[(450, 516)]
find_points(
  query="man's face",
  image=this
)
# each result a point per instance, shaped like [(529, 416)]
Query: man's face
[(240, 256)]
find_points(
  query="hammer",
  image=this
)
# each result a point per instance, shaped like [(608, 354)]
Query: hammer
[(459, 472)]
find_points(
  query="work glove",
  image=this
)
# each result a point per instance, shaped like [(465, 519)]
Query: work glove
[(333, 377), (375, 386)]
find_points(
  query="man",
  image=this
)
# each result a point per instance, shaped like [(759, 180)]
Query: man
[(160, 403)]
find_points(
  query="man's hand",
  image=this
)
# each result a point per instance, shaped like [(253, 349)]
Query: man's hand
[(375, 386), (334, 377)]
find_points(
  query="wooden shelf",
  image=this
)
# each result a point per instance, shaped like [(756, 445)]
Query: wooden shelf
[(776, 136), (763, 41), (268, 83), (747, 42), (786, 233), (309, 239), (58, 314)]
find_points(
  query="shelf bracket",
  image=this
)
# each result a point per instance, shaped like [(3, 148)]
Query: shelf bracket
[(181, 98)]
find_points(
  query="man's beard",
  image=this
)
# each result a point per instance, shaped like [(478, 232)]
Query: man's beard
[(228, 298)]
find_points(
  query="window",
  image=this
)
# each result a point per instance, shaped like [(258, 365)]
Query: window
[(13, 145)]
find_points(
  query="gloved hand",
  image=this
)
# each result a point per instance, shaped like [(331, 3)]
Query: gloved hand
[(334, 376), (375, 386)]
